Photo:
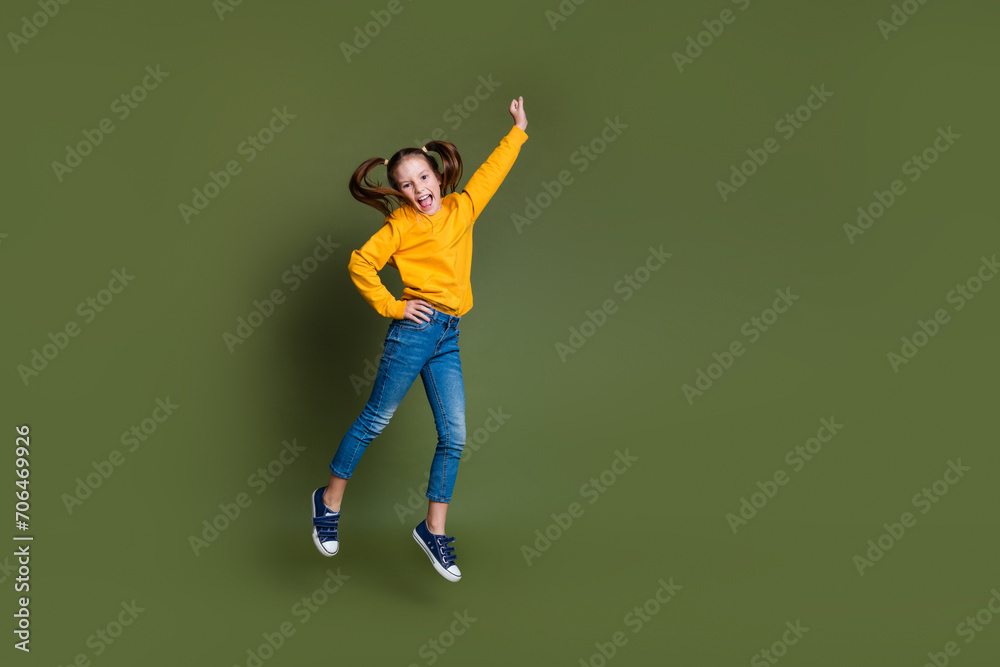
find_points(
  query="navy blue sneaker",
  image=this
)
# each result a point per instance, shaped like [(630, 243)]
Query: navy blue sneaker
[(324, 524), (438, 548)]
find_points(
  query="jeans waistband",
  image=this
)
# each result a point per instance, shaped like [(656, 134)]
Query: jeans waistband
[(449, 321)]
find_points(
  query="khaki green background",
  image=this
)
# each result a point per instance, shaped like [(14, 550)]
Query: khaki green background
[(656, 184)]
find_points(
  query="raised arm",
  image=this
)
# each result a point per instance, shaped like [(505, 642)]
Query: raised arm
[(487, 179), (364, 266)]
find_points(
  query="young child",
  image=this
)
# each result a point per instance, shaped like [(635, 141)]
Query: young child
[(428, 238)]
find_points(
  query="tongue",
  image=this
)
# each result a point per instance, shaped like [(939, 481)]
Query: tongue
[(426, 202)]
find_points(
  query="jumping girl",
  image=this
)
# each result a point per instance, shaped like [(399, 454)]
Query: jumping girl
[(428, 238)]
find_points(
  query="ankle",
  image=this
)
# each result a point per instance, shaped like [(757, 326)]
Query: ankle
[(331, 504), (435, 528)]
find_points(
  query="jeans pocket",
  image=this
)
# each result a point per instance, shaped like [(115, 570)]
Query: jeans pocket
[(410, 325)]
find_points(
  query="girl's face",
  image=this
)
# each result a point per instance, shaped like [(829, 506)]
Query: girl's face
[(420, 184)]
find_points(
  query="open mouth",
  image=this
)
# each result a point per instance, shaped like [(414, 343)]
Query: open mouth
[(425, 202)]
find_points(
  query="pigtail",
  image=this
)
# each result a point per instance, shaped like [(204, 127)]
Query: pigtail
[(370, 192), (451, 165)]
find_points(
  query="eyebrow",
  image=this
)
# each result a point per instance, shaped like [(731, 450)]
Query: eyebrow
[(425, 171)]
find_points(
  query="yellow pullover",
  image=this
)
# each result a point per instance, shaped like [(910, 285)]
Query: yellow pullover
[(433, 253)]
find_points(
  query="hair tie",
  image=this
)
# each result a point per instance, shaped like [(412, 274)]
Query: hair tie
[(423, 148), (385, 162)]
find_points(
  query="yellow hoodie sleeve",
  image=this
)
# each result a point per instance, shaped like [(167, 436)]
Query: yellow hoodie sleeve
[(487, 179), (365, 264)]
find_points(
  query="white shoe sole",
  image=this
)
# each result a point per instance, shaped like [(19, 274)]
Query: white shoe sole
[(319, 545), (437, 566)]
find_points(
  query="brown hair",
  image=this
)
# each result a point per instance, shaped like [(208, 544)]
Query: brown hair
[(374, 194)]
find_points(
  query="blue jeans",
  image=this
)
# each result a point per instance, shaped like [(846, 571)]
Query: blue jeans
[(429, 349)]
